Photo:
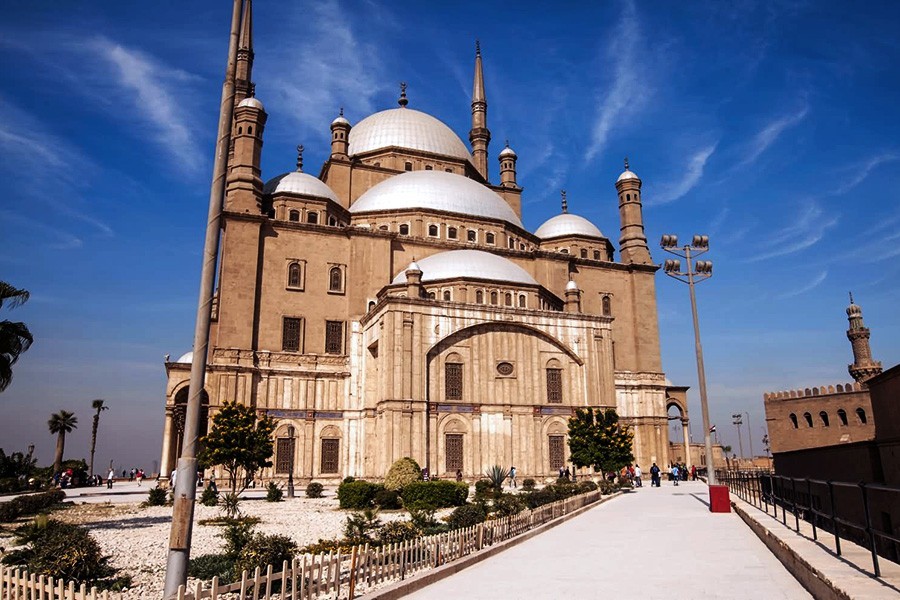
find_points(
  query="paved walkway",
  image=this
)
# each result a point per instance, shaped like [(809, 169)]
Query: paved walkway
[(653, 543)]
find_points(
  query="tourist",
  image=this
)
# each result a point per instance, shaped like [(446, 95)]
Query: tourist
[(568, 473), (139, 476), (459, 475), (693, 472), (654, 475), (212, 482), (562, 472), (512, 477), (172, 478), (109, 479), (675, 474), (637, 476)]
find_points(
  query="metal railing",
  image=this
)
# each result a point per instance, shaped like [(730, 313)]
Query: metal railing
[(843, 509)]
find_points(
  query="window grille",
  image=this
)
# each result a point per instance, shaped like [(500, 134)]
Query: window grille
[(294, 275), (453, 381), (330, 455), (291, 333), (557, 452), (284, 450), (453, 450), (334, 337), (335, 280), (554, 386)]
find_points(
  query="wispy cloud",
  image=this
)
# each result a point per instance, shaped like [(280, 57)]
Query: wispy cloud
[(152, 89), (809, 286), (807, 229), (692, 174), (859, 172), (624, 93), (769, 134), (45, 235)]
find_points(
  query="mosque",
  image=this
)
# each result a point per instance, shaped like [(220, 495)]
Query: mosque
[(395, 305)]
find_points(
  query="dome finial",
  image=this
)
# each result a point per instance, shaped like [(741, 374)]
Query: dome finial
[(403, 100), (300, 158), (851, 297), (507, 142), (477, 48), (626, 163), (341, 112), (565, 203)]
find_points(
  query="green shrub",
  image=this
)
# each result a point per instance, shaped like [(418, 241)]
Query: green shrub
[(357, 494), (273, 492), (484, 490), (209, 497), (607, 487), (360, 528), (237, 534), (231, 505), (402, 473), (314, 490), (155, 497), (327, 546), (263, 550), (422, 517), (395, 532), (437, 494), (586, 486), (30, 504), (563, 481), (466, 515), (508, 505), (207, 566), (387, 499), (349, 479), (528, 484), (497, 475)]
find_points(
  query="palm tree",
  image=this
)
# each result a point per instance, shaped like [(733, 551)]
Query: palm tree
[(14, 336), (61, 423), (98, 406)]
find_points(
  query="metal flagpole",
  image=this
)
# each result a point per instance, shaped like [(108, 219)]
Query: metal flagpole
[(186, 473)]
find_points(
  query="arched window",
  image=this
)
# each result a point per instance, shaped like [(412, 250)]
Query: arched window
[(449, 170), (428, 167), (432, 296), (565, 250), (240, 130), (294, 275), (824, 416), (433, 230), (453, 378), (794, 420), (335, 280), (607, 306), (447, 295), (407, 166), (628, 197), (554, 382), (250, 130), (312, 217), (861, 415), (371, 305), (596, 255), (493, 297), (452, 233), (489, 238), (472, 235), (508, 299), (294, 216), (522, 301), (842, 415), (511, 243), (404, 229), (332, 221), (808, 418), (584, 253), (479, 297)]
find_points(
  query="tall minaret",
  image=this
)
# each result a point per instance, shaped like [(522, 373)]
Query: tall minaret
[(479, 135), (632, 242), (863, 367), (243, 86)]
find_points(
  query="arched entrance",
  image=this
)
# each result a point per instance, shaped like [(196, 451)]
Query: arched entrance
[(173, 436), (676, 412)]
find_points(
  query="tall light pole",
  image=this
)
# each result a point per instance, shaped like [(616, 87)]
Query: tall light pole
[(738, 419), (749, 434), (290, 490), (695, 273)]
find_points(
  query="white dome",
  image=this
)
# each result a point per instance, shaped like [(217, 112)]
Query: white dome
[(251, 101), (508, 152), (340, 120), (567, 224), (470, 264), (406, 128), (187, 357), (436, 190), (571, 286), (296, 182), (626, 174)]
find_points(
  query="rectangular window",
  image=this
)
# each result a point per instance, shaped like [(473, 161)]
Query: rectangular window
[(557, 452), (291, 334), (453, 450), (453, 381), (284, 451), (472, 235), (334, 337), (554, 386), (330, 456)]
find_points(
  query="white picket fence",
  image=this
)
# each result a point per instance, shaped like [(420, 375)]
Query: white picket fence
[(339, 575), (16, 584)]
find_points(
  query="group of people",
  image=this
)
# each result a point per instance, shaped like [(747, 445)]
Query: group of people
[(677, 472)]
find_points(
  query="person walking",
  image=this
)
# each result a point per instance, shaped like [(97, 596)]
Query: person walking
[(512, 477), (172, 479), (637, 476), (654, 476), (109, 479), (675, 474)]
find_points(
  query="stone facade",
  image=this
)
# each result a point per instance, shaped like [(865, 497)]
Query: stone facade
[(324, 320)]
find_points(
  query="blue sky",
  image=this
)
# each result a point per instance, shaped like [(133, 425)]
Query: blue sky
[(771, 127)]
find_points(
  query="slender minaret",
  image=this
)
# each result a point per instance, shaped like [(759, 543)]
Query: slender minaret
[(479, 135), (244, 191), (632, 242), (243, 86), (863, 367), (508, 158)]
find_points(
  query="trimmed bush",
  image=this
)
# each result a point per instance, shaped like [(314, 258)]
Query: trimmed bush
[(586, 486), (274, 493), (207, 566), (155, 497), (358, 494), (528, 484), (31, 504), (209, 497), (508, 505), (402, 473), (466, 516), (387, 499), (349, 479), (436, 494), (314, 490), (395, 532), (484, 489), (263, 550)]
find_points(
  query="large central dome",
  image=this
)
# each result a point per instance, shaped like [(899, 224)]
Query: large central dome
[(406, 128), (435, 190)]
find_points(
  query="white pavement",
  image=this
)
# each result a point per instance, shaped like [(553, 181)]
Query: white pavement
[(653, 543)]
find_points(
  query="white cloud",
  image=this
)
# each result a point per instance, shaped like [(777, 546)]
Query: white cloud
[(770, 134), (862, 171), (692, 174), (809, 286), (625, 92), (806, 230)]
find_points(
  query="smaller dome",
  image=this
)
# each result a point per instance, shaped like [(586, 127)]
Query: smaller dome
[(304, 184), (340, 119), (571, 286), (626, 174), (567, 224), (508, 152), (474, 264), (252, 102), (186, 358), (414, 266)]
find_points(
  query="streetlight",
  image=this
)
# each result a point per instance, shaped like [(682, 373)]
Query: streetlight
[(749, 435), (696, 271), (290, 490), (738, 419)]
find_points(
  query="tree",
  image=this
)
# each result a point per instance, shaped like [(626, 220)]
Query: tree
[(60, 424), (98, 406), (238, 441), (14, 336), (596, 439)]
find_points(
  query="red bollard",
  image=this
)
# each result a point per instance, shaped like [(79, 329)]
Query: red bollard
[(718, 499)]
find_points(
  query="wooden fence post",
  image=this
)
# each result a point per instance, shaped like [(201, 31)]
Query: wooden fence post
[(352, 572)]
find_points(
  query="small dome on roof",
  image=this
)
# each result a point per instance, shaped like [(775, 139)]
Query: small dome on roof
[(251, 101), (508, 152), (413, 266), (626, 174), (567, 224), (405, 128), (471, 264), (571, 286), (340, 119), (296, 182), (186, 358), (436, 190)]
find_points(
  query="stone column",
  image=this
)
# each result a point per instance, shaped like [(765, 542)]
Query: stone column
[(687, 442), (167, 452)]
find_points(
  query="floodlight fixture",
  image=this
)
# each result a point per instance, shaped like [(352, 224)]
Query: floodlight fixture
[(669, 241), (700, 241)]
